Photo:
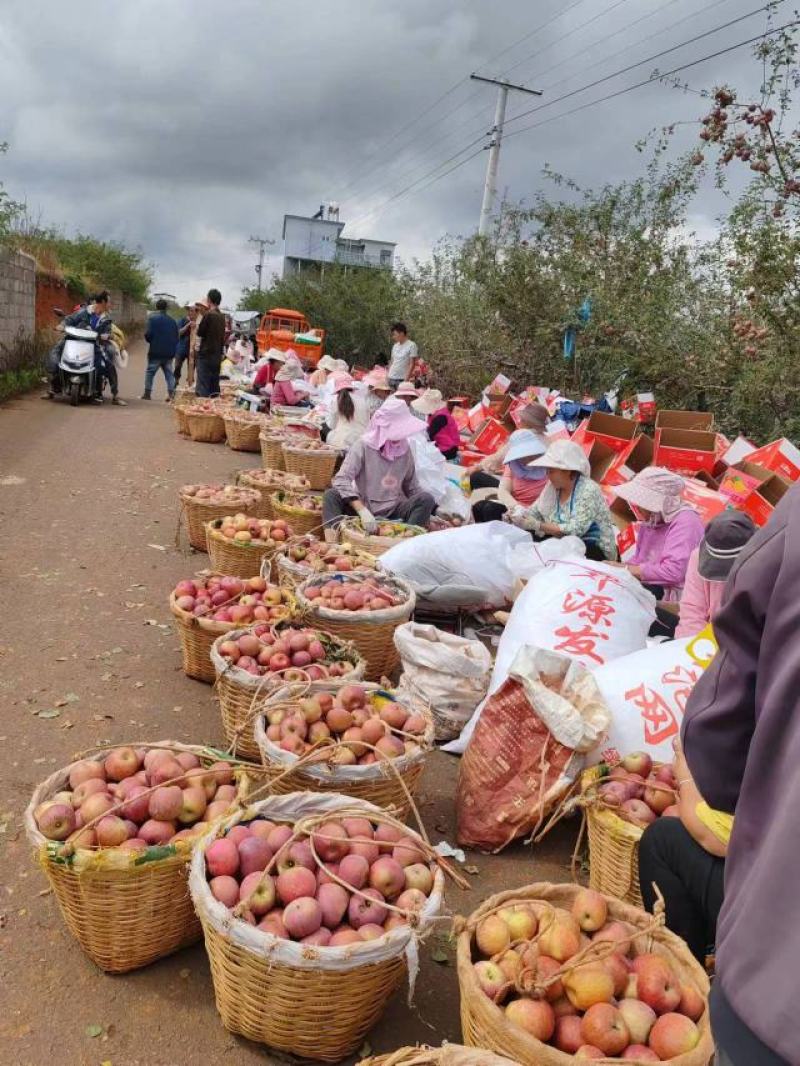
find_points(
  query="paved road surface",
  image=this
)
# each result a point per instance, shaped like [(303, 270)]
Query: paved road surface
[(88, 512)]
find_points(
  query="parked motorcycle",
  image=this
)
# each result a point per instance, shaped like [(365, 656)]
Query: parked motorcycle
[(76, 374)]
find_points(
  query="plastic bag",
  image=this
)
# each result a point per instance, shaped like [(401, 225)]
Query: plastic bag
[(448, 673), (454, 504), (526, 559), (429, 465), (462, 566), (647, 693), (528, 747), (589, 611)]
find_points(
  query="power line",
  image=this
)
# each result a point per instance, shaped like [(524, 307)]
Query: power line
[(583, 25), (653, 79)]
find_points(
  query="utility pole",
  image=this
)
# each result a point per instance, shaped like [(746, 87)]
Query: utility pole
[(262, 242), (490, 186)]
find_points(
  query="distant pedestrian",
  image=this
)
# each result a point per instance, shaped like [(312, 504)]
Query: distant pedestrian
[(183, 351), (162, 336), (404, 352), (211, 332)]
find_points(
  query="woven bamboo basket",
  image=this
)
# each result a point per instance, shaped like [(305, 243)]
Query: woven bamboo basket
[(292, 572), (268, 481), (285, 410), (196, 636), (390, 784), (237, 559), (205, 426), (314, 1002), (483, 1022), (198, 512), (125, 909), (316, 464), (446, 1055), (242, 433), (271, 450), (350, 530), (240, 694), (180, 419), (613, 845), (371, 632), (184, 395), (301, 519)]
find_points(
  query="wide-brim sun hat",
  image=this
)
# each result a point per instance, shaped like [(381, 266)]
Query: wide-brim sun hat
[(405, 388), (342, 381), (654, 489), (275, 355), (327, 362), (722, 544), (431, 400), (564, 455), (523, 444)]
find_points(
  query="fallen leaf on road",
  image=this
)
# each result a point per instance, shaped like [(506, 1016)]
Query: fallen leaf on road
[(53, 713), (12, 479), (440, 956), (151, 621), (94, 1031), (158, 547), (138, 684), (184, 974), (472, 869)]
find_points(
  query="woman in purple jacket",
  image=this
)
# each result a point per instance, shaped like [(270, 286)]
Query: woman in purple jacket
[(668, 531)]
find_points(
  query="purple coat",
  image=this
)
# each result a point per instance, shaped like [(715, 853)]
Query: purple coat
[(663, 551), (741, 736)]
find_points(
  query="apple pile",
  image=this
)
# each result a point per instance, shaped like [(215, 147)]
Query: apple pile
[(371, 594), (337, 901), (308, 501), (293, 653), (639, 791), (188, 798), (237, 600), (621, 1005), (315, 554), (394, 529), (273, 479), (302, 442), (218, 495), (256, 532), (366, 727), (203, 407)]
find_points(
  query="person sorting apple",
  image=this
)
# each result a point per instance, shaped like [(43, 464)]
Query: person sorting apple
[(377, 479)]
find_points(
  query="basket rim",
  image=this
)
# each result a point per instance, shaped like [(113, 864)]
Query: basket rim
[(193, 621), (203, 502), (266, 682), (326, 451), (388, 614), (212, 530)]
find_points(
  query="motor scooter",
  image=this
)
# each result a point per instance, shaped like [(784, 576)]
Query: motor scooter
[(76, 365)]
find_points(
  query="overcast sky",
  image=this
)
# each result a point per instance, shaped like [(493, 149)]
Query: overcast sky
[(186, 126)]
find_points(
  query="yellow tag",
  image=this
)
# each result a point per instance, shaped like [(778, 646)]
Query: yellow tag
[(703, 647)]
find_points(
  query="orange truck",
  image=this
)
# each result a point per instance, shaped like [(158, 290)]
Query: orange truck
[(282, 328)]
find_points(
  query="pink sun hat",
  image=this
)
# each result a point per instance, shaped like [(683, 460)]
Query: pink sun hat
[(342, 381)]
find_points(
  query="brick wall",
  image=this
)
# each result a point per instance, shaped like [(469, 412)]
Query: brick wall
[(52, 293), (17, 297)]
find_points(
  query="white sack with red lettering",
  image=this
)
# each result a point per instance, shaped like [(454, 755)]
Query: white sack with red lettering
[(646, 693), (590, 611)]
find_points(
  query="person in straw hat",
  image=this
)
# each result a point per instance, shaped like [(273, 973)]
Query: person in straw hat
[(349, 415), (669, 530), (378, 479), (571, 504), (378, 389), (443, 430), (269, 365), (325, 367), (406, 392), (285, 391)]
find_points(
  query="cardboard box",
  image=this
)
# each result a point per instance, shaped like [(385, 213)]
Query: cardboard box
[(600, 457), (491, 436), (614, 430), (628, 463), (500, 384), (781, 457), (641, 407), (461, 418), (476, 416), (497, 404), (685, 450), (697, 420), (741, 449), (469, 457), (738, 483), (762, 501), (706, 501), (557, 430)]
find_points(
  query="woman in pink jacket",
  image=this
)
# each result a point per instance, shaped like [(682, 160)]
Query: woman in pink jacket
[(708, 570)]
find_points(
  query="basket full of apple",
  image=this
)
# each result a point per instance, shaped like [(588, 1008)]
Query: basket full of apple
[(204, 422), (268, 481), (310, 903), (251, 664), (302, 557), (554, 974), (242, 429), (204, 503), (365, 609), (619, 803), (303, 510), (209, 605), (113, 832), (311, 458), (368, 744), (238, 544), (385, 537)]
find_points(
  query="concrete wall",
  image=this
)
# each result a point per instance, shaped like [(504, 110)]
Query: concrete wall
[(17, 298)]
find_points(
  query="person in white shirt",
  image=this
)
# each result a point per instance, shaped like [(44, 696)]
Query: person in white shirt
[(404, 352), (349, 414)]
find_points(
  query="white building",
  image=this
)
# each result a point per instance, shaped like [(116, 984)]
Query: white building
[(312, 242)]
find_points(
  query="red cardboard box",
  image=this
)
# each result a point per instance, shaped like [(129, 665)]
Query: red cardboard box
[(781, 457), (628, 463), (741, 449), (697, 420), (461, 418), (762, 501), (600, 457), (468, 457), (497, 404), (641, 407), (685, 450), (614, 430), (491, 436), (737, 484), (706, 501), (476, 416), (500, 384)]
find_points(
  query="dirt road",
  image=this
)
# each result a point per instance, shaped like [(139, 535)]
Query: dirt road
[(88, 510)]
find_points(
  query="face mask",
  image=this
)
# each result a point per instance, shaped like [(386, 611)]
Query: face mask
[(650, 520)]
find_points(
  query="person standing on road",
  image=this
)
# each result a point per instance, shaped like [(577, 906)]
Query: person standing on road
[(184, 340), (211, 332), (162, 336), (404, 352)]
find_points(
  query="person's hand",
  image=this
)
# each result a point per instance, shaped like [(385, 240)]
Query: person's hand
[(368, 521)]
